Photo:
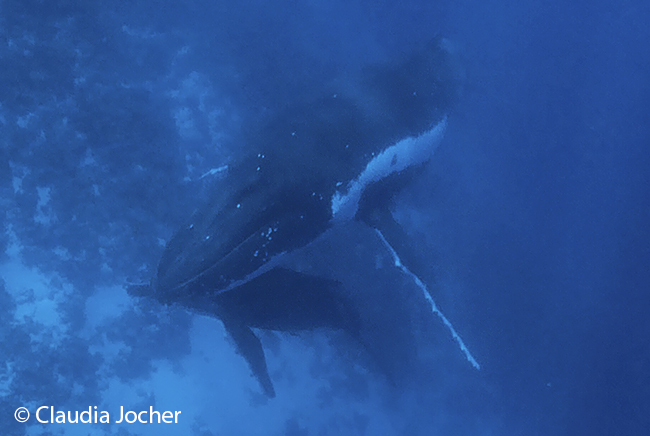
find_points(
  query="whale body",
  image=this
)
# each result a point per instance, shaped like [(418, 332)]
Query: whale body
[(310, 168)]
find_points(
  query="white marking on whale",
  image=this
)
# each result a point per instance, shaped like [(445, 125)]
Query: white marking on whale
[(405, 153), (427, 296)]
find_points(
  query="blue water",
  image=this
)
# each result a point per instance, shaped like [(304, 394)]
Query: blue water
[(534, 212)]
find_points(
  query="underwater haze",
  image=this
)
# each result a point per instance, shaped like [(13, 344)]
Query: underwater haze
[(118, 118)]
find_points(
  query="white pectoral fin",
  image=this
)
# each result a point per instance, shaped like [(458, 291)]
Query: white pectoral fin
[(427, 296)]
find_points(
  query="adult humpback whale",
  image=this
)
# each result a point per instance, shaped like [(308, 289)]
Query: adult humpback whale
[(315, 165)]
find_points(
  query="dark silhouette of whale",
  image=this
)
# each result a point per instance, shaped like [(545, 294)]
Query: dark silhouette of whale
[(312, 166)]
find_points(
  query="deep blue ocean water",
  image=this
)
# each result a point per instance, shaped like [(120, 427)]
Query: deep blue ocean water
[(533, 213)]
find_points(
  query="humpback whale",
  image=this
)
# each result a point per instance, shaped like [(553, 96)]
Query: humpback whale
[(313, 166)]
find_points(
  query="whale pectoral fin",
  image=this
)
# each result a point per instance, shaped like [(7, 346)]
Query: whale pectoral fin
[(250, 347), (406, 247), (406, 258)]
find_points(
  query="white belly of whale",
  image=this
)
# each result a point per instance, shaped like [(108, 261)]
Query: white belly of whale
[(399, 156)]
